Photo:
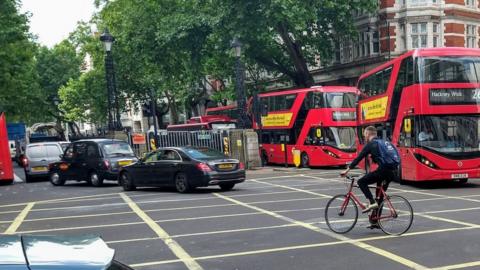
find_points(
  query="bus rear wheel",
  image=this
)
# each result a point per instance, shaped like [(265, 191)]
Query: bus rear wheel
[(304, 160)]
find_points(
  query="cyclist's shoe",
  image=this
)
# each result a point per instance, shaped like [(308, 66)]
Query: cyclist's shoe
[(370, 207), (373, 226)]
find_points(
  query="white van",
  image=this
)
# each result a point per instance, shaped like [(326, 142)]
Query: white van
[(13, 149)]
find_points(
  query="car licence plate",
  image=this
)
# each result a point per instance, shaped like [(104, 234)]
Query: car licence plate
[(39, 169), (124, 162), (459, 175), (225, 166)]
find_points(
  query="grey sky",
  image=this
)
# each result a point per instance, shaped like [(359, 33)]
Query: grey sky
[(53, 20)]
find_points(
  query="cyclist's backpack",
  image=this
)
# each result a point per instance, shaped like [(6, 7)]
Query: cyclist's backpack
[(389, 156)]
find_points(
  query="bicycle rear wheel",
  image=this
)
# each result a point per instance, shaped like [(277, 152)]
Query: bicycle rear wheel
[(398, 220), (341, 214)]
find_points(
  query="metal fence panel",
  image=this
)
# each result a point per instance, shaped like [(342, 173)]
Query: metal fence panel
[(202, 138)]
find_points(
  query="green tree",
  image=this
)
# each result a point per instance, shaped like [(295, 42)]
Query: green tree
[(19, 91), (285, 36)]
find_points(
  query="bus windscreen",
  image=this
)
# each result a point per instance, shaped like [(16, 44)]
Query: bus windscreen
[(450, 135)]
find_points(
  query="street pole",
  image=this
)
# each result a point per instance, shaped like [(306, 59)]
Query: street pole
[(240, 85), (110, 94), (114, 122), (153, 104)]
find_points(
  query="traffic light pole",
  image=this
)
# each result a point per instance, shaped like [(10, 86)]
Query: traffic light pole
[(153, 104)]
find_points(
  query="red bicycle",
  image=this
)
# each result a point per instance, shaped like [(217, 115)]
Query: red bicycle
[(394, 214)]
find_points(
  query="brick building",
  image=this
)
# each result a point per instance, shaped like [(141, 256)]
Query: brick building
[(399, 26)]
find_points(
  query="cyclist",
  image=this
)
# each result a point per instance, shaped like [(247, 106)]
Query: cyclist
[(385, 155)]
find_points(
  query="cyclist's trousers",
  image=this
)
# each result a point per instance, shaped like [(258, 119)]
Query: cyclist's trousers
[(377, 176)]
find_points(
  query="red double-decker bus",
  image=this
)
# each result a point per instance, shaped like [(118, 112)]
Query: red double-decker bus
[(228, 110), (206, 122), (427, 102), (6, 167), (318, 121)]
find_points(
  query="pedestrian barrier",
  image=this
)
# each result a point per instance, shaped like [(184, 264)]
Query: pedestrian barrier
[(238, 144)]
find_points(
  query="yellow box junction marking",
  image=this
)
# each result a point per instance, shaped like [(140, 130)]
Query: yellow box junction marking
[(162, 234), (362, 245), (458, 266), (19, 219)]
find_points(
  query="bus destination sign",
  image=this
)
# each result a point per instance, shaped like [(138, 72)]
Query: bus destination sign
[(459, 96), (344, 116)]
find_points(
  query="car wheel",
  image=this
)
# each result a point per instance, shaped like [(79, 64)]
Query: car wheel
[(56, 179), (181, 183), (127, 182), (304, 160), (227, 186), (95, 179)]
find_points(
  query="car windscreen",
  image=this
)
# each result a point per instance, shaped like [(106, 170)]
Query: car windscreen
[(112, 149), (204, 153), (53, 151)]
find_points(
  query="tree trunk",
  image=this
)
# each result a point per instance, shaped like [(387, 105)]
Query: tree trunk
[(302, 76)]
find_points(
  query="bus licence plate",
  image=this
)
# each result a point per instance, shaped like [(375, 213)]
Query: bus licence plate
[(459, 175), (225, 166), (124, 162), (39, 169)]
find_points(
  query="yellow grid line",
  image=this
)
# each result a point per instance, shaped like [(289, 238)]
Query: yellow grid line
[(162, 234)]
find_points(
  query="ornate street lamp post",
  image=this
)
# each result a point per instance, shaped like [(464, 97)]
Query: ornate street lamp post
[(114, 122), (243, 121)]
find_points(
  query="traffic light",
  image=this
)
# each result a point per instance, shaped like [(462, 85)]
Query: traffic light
[(146, 110)]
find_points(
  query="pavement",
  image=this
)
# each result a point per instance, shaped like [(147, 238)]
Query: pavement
[(275, 220)]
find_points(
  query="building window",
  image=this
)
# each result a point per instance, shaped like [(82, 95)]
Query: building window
[(376, 43), (435, 35), (419, 35), (421, 2), (470, 3), (471, 37)]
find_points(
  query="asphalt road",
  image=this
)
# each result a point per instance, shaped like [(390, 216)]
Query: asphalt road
[(272, 221)]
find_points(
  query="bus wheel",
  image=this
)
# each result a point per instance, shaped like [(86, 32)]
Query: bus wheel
[(304, 160)]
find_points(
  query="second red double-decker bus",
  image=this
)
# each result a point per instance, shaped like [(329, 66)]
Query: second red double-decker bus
[(228, 110), (318, 121), (427, 102), (206, 122)]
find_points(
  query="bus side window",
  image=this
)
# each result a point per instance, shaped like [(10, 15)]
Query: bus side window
[(406, 133)]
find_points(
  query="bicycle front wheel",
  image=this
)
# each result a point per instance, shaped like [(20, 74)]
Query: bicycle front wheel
[(341, 214), (396, 215)]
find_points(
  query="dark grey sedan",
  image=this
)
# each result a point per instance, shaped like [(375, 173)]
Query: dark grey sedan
[(185, 168)]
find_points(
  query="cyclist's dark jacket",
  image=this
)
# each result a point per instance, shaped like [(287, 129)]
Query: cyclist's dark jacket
[(372, 149)]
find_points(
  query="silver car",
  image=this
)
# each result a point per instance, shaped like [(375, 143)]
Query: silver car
[(39, 155)]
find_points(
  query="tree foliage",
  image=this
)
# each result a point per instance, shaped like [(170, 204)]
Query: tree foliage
[(19, 91)]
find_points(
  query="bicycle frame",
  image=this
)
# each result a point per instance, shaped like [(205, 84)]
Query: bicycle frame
[(381, 194)]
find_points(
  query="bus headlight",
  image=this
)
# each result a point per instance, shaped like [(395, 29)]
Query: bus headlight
[(330, 153), (425, 161)]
